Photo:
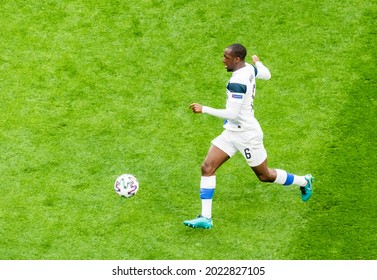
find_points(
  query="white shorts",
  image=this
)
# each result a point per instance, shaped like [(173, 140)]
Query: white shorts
[(248, 143)]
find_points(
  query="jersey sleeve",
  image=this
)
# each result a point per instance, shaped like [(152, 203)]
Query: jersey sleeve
[(262, 71), (229, 113)]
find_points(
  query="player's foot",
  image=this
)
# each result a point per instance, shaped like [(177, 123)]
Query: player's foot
[(306, 191), (199, 222)]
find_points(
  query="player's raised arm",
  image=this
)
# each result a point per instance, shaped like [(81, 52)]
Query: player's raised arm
[(262, 71)]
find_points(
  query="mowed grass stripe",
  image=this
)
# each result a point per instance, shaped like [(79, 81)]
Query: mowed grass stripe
[(341, 220)]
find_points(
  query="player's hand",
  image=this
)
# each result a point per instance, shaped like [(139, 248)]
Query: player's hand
[(196, 108), (255, 58)]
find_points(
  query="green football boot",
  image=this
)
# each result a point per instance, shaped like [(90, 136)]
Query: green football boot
[(307, 190), (199, 222)]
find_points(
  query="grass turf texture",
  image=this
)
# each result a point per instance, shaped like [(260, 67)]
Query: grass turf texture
[(93, 89)]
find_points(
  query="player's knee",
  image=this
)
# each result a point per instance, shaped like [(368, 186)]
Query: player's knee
[(207, 169)]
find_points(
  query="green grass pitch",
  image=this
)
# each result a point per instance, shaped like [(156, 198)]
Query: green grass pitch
[(94, 89)]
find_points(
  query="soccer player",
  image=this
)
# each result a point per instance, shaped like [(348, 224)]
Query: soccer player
[(242, 133)]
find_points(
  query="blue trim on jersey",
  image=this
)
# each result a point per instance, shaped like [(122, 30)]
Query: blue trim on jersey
[(290, 178), (255, 71), (236, 88), (206, 193)]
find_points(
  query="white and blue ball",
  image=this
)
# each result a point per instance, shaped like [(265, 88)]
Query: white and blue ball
[(126, 185)]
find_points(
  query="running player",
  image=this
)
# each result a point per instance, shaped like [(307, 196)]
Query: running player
[(242, 133)]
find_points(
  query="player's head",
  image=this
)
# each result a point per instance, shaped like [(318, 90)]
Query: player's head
[(234, 57), (238, 50)]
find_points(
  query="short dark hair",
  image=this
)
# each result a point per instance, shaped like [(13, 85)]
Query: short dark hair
[(238, 50)]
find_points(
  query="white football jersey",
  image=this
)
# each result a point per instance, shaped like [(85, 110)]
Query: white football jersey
[(241, 89)]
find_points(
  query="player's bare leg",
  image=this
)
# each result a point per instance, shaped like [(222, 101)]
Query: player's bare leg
[(264, 173), (214, 159)]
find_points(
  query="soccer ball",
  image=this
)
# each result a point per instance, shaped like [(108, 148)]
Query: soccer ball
[(126, 185)]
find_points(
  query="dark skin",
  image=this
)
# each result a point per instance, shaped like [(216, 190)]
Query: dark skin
[(215, 156)]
